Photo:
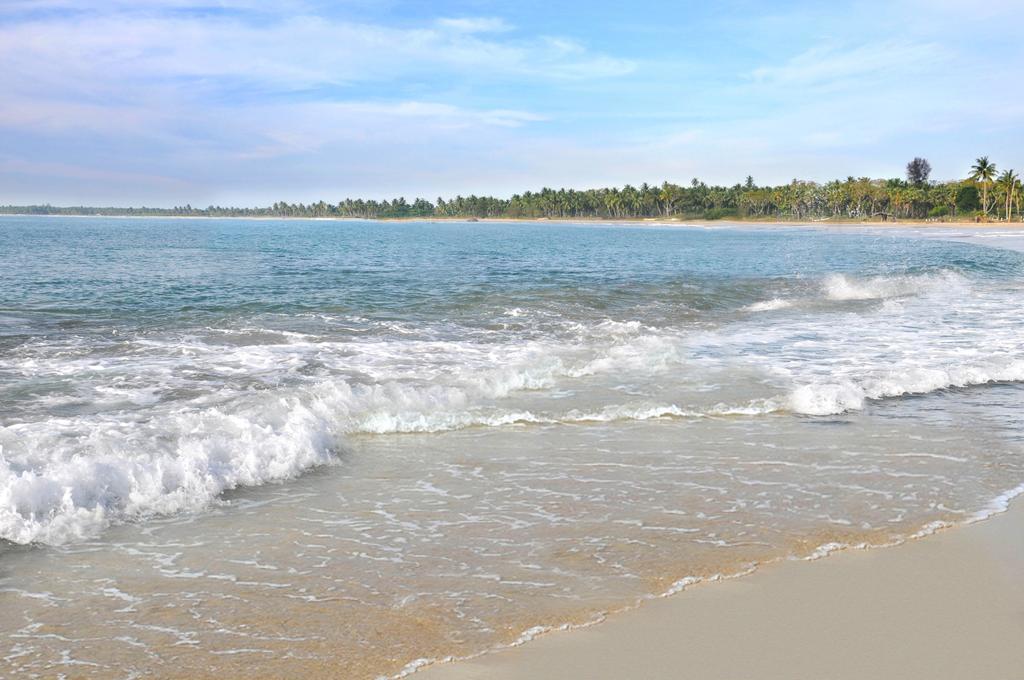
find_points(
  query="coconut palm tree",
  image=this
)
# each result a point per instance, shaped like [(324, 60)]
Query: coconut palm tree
[(951, 193), (1008, 184), (983, 172)]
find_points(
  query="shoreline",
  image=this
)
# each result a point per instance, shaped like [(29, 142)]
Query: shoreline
[(599, 221), (728, 631)]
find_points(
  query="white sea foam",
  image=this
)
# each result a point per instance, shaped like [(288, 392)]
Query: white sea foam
[(65, 478), (844, 287), (769, 305), (55, 486), (847, 395), (261, 406)]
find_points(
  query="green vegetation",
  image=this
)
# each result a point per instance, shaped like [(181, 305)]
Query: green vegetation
[(982, 173), (853, 198), (1008, 185)]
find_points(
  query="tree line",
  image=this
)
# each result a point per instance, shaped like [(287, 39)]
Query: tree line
[(984, 194)]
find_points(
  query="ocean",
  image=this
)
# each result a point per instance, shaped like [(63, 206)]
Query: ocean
[(345, 449)]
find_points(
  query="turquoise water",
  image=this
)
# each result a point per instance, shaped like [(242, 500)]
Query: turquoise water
[(467, 430), (106, 322), (98, 273)]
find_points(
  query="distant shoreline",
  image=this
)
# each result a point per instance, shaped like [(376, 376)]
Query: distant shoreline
[(628, 221)]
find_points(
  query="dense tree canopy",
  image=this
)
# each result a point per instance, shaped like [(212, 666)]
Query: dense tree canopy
[(852, 198), (918, 171)]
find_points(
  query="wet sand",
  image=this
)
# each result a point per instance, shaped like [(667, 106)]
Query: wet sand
[(949, 605)]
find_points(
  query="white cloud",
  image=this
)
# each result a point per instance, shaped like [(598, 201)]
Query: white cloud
[(475, 24), (309, 127), (134, 74), (835, 66), (83, 173), (294, 52), (21, 7)]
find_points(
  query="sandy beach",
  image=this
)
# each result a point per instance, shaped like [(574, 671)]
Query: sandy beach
[(950, 605)]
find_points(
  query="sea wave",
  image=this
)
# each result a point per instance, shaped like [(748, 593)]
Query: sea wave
[(769, 305), (64, 479), (843, 287), (268, 411), (829, 398)]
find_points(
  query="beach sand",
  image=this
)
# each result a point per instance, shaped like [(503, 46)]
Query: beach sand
[(947, 606)]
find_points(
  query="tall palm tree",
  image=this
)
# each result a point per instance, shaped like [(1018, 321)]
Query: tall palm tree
[(983, 172), (1008, 184)]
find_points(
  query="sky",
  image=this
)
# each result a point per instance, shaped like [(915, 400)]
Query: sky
[(244, 102)]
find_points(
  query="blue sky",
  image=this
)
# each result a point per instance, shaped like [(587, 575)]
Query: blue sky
[(163, 102)]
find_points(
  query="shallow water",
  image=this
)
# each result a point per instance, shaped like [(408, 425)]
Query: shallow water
[(339, 447)]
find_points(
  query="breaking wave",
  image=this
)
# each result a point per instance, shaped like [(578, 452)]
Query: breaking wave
[(849, 395), (65, 479), (843, 287), (269, 411), (768, 305)]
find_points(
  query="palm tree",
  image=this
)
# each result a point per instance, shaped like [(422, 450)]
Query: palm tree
[(983, 172), (951, 192), (1008, 184)]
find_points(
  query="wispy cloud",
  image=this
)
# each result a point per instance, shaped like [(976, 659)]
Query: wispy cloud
[(475, 24), (312, 126), (292, 52), (24, 7), (235, 79), (837, 66)]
